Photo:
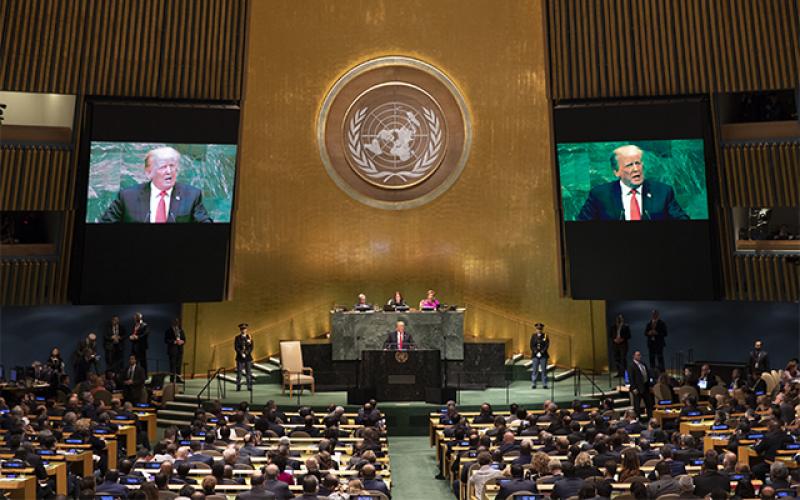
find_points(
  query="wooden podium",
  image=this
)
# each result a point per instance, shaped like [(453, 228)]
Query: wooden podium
[(400, 375)]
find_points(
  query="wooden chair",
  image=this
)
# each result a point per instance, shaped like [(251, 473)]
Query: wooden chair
[(685, 391), (167, 495), (104, 396), (718, 390), (771, 382), (294, 373)]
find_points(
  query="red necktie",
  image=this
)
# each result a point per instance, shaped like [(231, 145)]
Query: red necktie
[(400, 341), (636, 214), (161, 211)]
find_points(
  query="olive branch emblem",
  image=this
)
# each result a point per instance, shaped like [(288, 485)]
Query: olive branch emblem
[(420, 168)]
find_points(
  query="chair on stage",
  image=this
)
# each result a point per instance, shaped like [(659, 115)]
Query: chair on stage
[(294, 373)]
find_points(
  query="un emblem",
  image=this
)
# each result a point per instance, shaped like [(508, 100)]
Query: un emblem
[(394, 133), (401, 356)]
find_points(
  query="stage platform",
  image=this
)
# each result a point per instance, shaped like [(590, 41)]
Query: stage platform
[(411, 417)]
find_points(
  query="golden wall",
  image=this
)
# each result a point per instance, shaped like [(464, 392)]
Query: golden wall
[(490, 242)]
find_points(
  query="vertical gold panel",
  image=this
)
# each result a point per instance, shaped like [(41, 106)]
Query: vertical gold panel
[(490, 240)]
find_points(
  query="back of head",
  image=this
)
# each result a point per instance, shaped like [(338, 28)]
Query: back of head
[(310, 484), (271, 471), (568, 469), (484, 458), (686, 483), (663, 469), (516, 471), (209, 485)]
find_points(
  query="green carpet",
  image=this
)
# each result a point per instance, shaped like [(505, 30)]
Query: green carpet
[(413, 470)]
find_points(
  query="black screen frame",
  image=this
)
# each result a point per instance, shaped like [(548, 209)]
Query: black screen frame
[(679, 270), (148, 263)]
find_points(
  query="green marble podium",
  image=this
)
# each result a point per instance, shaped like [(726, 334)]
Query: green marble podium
[(353, 332)]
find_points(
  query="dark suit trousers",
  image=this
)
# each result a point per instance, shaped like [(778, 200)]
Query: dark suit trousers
[(620, 357), (643, 397), (114, 359), (175, 356), (656, 354), (247, 367)]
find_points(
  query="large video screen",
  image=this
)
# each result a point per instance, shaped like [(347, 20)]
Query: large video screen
[(160, 183), (156, 201), (633, 180), (633, 185)]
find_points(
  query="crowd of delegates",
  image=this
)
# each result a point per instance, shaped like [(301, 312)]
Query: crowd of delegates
[(604, 446), (216, 440)]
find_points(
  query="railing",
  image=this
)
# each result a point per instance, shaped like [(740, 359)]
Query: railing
[(217, 375)]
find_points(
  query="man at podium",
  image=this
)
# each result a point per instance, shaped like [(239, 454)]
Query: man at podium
[(399, 339)]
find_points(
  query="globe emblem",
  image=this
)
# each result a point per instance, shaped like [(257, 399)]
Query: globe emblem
[(395, 144)]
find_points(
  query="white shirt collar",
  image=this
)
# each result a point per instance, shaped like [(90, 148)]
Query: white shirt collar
[(155, 197), (626, 200)]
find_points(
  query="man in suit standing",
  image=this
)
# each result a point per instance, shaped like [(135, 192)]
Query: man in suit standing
[(175, 337), (759, 360), (134, 381), (139, 334), (114, 345), (86, 358), (161, 199), (656, 332), (399, 339), (540, 343), (631, 198), (640, 385), (243, 345), (620, 334)]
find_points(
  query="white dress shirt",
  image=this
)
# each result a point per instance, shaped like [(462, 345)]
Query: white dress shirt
[(626, 199), (155, 196)]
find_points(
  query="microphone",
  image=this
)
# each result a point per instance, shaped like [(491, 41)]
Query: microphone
[(647, 215), (622, 214)]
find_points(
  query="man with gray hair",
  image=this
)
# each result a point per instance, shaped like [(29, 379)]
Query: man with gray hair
[(257, 489), (631, 197), (161, 199), (272, 484)]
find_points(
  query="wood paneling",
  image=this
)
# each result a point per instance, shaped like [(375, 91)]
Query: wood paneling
[(148, 48), (617, 48)]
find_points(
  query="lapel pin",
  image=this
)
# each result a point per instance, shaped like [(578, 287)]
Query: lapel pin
[(649, 195), (178, 198)]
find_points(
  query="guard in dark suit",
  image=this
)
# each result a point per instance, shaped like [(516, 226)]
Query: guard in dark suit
[(243, 345), (134, 381), (540, 343), (114, 345), (86, 358), (656, 331), (399, 339), (759, 360), (160, 200), (632, 197), (139, 335), (175, 338), (640, 378), (620, 333)]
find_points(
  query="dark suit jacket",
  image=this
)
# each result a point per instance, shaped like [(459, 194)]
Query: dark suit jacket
[(391, 341), (772, 442), (515, 485), (658, 203), (279, 488), (243, 348), (624, 332), (376, 485), (759, 358), (567, 487), (108, 342), (709, 481), (133, 205), (118, 490), (661, 333), (170, 337), (140, 345), (636, 378), (257, 493)]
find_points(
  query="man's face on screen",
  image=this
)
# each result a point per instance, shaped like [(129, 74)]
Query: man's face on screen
[(630, 168), (162, 169)]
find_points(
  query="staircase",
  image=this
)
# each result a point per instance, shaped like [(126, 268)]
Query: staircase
[(179, 412)]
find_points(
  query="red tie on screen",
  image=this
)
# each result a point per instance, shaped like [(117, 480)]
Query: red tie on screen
[(636, 214), (400, 341), (161, 211)]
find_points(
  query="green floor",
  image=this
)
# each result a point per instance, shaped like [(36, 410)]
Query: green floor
[(413, 470)]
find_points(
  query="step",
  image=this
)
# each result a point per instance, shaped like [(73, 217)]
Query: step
[(267, 368), (175, 414), (181, 405), (564, 375), (170, 422), (185, 398)]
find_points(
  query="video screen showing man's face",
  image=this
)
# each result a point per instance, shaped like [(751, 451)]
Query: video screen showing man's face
[(160, 183), (642, 181)]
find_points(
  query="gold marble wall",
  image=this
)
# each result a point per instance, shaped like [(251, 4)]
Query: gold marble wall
[(301, 244)]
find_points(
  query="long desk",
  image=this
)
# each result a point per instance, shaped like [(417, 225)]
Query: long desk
[(353, 332)]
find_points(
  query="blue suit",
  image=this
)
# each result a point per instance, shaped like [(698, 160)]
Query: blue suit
[(133, 205), (658, 203)]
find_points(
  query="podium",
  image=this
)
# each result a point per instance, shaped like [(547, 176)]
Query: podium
[(400, 375)]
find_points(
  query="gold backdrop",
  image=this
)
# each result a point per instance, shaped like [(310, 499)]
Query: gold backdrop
[(490, 242)]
